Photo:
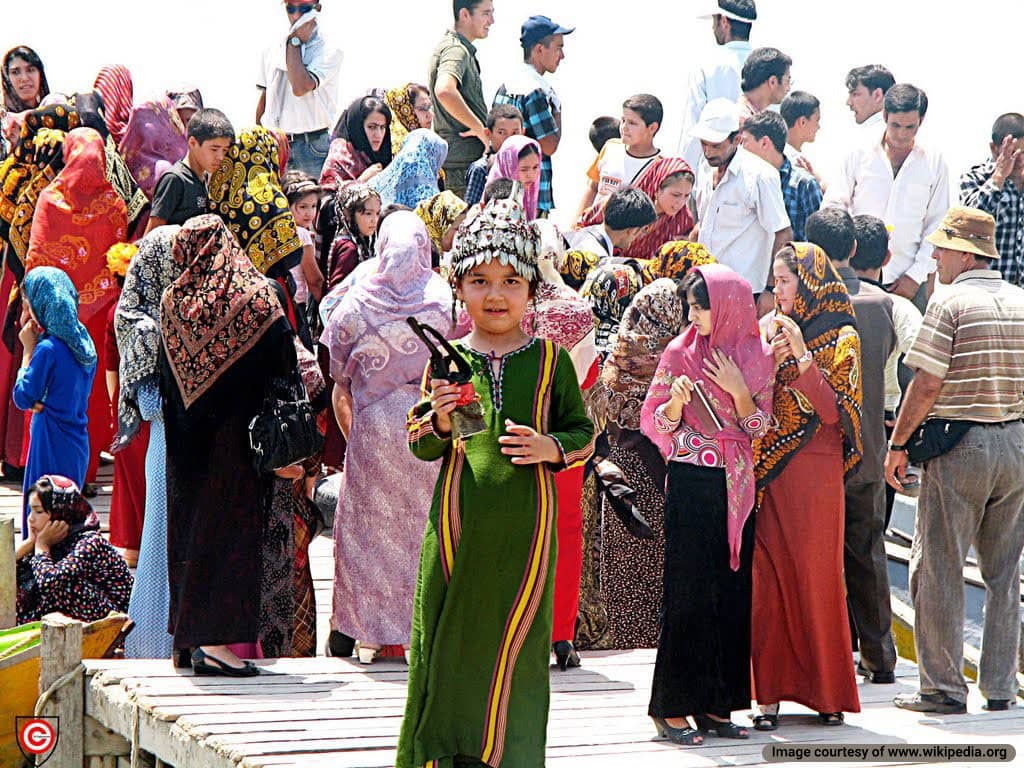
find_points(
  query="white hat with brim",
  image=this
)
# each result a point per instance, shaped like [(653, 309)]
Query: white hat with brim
[(712, 9), (719, 119)]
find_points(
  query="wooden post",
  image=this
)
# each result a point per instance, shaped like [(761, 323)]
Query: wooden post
[(60, 653), (8, 586)]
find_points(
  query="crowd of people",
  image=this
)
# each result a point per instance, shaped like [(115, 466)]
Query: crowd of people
[(678, 424)]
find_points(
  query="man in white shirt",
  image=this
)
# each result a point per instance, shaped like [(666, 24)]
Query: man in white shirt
[(298, 84), (741, 214), (902, 183), (719, 76), (867, 87)]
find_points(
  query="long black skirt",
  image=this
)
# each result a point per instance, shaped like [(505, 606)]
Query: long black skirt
[(703, 663)]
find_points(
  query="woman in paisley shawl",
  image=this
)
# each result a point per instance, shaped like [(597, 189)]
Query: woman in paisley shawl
[(412, 176), (78, 217), (114, 84), (610, 288), (411, 108), (442, 214), (226, 337), (139, 407), (153, 135), (361, 145), (376, 363), (800, 643)]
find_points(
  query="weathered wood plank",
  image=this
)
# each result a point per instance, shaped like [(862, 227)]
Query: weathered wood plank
[(60, 656), (8, 581)]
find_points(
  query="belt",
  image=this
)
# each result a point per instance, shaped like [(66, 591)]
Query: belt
[(309, 135)]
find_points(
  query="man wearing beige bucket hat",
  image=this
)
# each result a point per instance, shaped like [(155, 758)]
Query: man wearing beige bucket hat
[(966, 397)]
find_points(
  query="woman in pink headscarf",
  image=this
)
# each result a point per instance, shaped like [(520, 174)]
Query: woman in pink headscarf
[(377, 363), (703, 663), (519, 159)]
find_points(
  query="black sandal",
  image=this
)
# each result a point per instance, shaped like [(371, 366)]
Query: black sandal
[(204, 664), (765, 722), (831, 718), (724, 728), (686, 737)]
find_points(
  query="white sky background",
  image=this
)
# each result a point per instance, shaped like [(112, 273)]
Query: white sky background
[(964, 60)]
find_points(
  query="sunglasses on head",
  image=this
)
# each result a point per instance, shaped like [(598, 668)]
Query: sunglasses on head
[(304, 8)]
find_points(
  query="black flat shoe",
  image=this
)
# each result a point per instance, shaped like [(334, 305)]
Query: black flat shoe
[(686, 737), (996, 705), (565, 655), (831, 718), (726, 729), (340, 645), (204, 664), (765, 722), (878, 678), (183, 658)]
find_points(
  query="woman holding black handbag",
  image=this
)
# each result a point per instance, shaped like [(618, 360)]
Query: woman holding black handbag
[(227, 339)]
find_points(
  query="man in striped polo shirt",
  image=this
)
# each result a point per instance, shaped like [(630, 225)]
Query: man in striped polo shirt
[(968, 361)]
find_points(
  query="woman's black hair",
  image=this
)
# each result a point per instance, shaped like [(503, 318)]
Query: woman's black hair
[(674, 178), (694, 285), (11, 99), (42, 488), (351, 128), (388, 209), (527, 150)]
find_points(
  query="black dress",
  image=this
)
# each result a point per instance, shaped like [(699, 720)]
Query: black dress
[(216, 502), (703, 663)]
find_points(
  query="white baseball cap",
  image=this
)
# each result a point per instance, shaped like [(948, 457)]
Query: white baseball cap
[(737, 11), (719, 119)]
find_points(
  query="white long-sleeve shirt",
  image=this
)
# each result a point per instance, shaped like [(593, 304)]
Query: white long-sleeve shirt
[(717, 78), (913, 202)]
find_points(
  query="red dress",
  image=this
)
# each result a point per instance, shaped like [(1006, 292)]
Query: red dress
[(128, 499), (12, 420), (800, 638)]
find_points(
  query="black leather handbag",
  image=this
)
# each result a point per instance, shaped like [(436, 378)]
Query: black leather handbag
[(285, 431)]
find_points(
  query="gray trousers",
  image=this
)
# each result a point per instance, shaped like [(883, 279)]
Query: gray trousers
[(973, 494), (867, 574)]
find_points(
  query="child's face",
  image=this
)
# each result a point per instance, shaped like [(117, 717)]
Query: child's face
[(376, 127), (503, 128), (635, 132), (495, 296), (671, 199), (304, 210), (368, 216), (529, 168), (37, 516), (210, 154)]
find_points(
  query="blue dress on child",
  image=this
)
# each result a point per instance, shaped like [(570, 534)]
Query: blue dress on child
[(59, 434)]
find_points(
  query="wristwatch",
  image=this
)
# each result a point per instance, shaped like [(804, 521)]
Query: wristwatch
[(895, 447), (294, 41), (806, 357)]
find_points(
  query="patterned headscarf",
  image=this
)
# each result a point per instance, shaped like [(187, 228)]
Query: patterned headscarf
[(246, 193), (652, 320), (506, 166), (114, 84), (54, 301), (154, 133), (610, 288), (11, 99), (216, 310), (137, 325), (825, 315), (400, 101), (439, 213), (576, 267), (499, 231), (66, 501), (412, 176), (675, 259), (347, 201), (77, 219)]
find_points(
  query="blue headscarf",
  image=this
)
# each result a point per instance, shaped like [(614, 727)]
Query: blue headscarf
[(412, 176), (54, 302)]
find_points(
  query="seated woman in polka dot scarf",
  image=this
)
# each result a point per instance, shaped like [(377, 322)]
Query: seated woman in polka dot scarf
[(65, 565)]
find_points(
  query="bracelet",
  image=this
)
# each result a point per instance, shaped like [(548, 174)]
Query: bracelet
[(895, 447)]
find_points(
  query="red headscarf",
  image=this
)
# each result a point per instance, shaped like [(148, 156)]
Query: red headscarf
[(78, 217), (114, 84), (735, 333)]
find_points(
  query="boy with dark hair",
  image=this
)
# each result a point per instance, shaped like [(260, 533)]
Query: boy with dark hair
[(764, 135), (620, 161), (602, 130), (543, 43), (627, 211), (867, 87), (996, 187), (802, 113), (181, 192), (453, 77), (503, 121), (764, 81)]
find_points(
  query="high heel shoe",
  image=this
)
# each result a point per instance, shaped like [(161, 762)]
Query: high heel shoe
[(724, 728), (686, 737), (565, 655)]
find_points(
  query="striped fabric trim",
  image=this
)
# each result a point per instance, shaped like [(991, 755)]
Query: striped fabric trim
[(579, 456), (450, 519), (531, 590), (420, 428)]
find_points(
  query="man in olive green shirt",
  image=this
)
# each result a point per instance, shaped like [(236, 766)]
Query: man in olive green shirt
[(457, 92)]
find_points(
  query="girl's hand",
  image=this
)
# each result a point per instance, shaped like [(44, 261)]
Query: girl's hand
[(682, 390), (53, 533), (291, 472), (793, 335), (370, 172), (443, 397), (726, 374), (527, 446), (29, 334)]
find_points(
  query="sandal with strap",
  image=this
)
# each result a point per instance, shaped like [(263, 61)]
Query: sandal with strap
[(687, 737), (831, 718), (765, 722), (724, 728)]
